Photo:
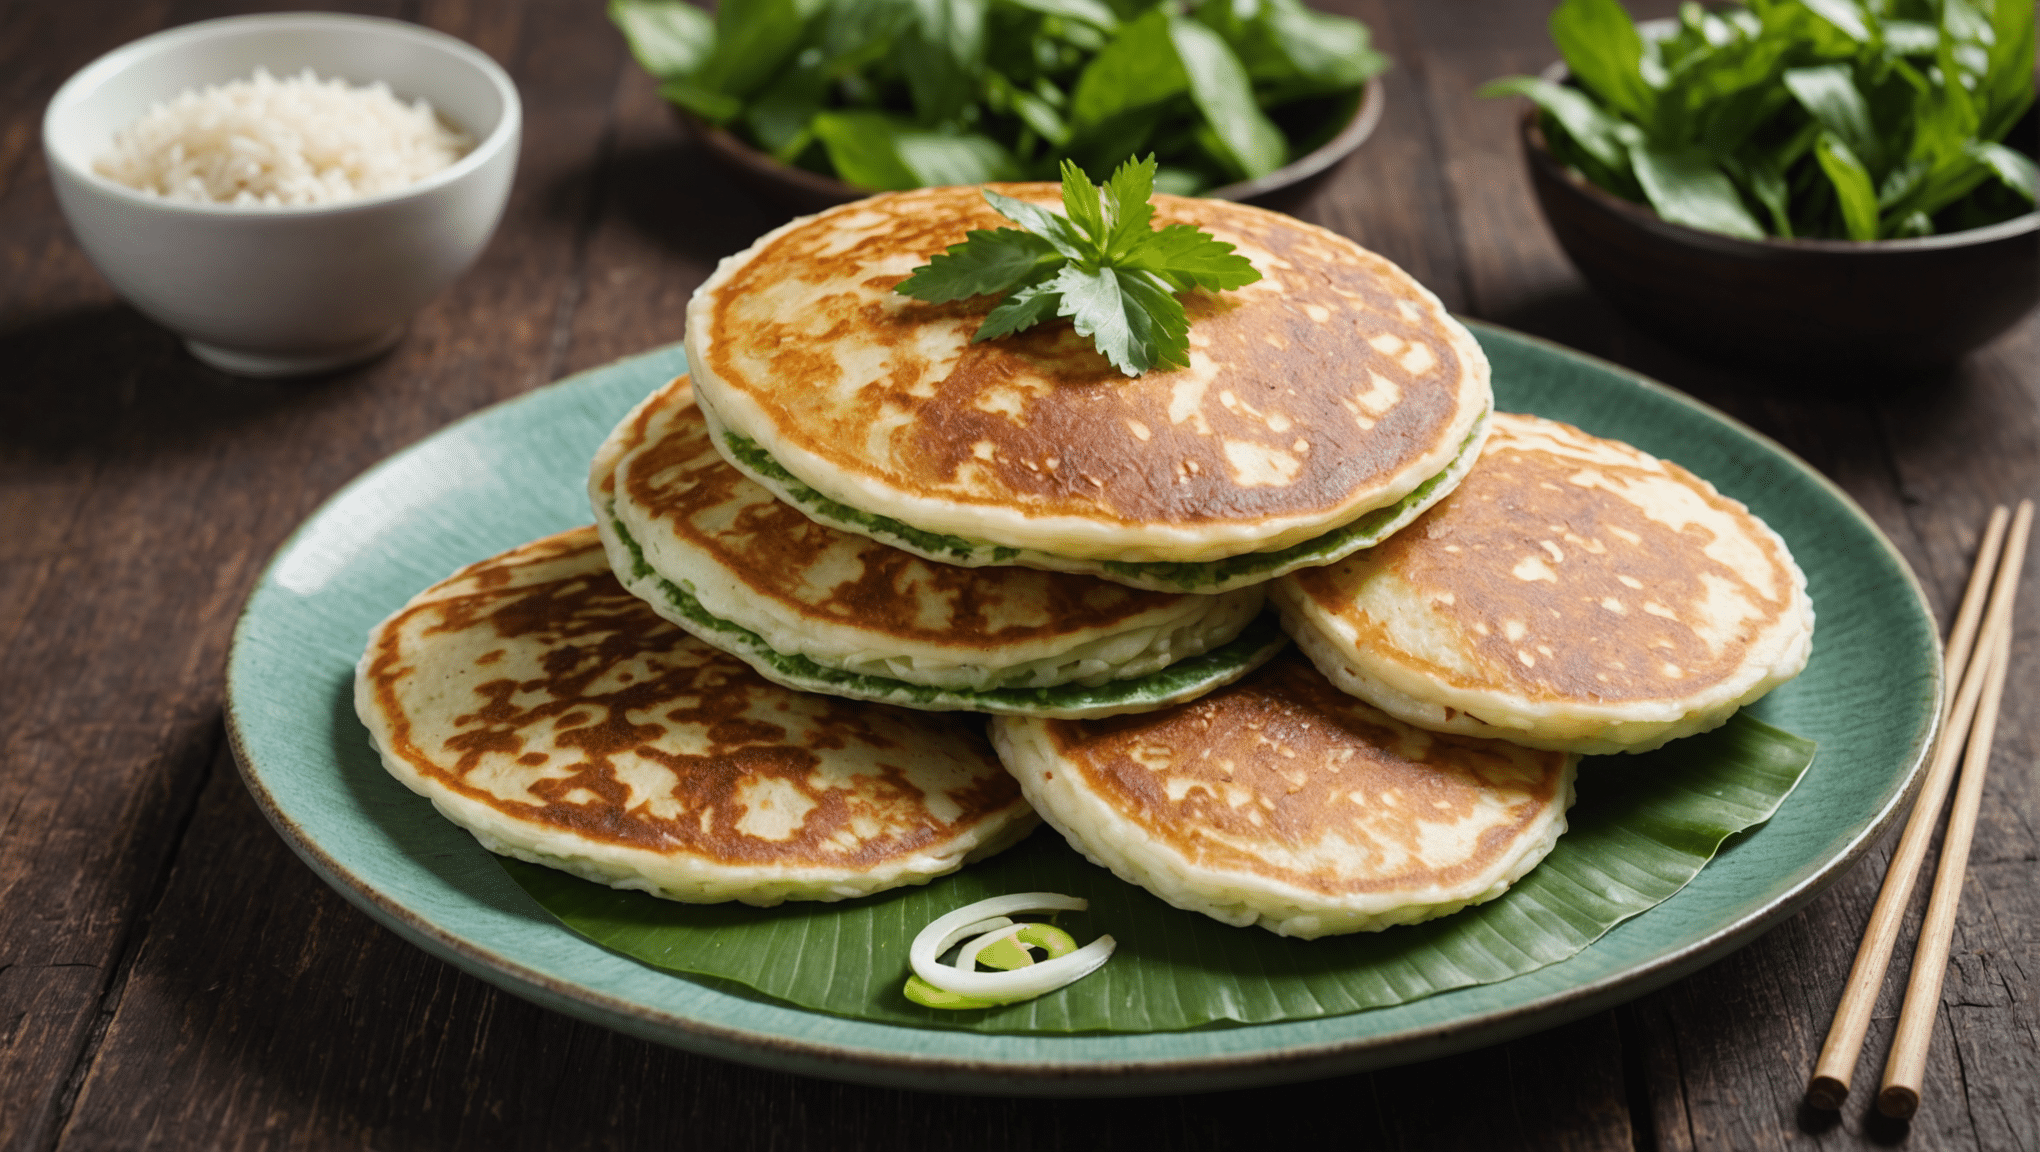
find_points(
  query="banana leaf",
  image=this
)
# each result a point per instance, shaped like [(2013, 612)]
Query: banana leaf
[(1642, 828)]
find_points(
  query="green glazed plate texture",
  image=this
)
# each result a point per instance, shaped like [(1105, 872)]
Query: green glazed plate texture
[(517, 471)]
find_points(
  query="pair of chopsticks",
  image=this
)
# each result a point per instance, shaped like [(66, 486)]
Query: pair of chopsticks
[(1977, 654)]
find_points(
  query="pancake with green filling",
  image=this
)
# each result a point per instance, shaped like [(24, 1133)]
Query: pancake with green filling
[(1284, 802), (552, 714), (1323, 405), (1574, 593), (827, 611)]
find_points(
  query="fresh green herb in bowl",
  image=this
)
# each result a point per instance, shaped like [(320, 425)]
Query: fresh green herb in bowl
[(891, 94), (1824, 119)]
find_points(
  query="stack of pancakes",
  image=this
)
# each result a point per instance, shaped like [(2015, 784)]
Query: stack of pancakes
[(853, 528)]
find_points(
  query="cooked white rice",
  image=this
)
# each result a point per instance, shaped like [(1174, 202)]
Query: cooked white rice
[(281, 143)]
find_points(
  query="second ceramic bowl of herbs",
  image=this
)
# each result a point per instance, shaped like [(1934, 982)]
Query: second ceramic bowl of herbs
[(819, 102), (1807, 184)]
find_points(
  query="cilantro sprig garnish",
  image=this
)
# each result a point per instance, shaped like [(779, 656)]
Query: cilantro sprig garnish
[(1101, 263)]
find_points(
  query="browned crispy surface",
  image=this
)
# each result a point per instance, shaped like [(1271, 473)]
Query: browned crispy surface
[(1284, 776), (1304, 388), (821, 573), (1569, 567), (532, 682)]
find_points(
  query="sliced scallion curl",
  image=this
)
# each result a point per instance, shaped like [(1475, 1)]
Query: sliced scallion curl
[(983, 926), (929, 996), (1013, 949), (985, 919), (967, 959), (1003, 948)]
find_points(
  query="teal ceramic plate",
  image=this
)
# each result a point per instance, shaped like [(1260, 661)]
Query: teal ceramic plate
[(515, 472)]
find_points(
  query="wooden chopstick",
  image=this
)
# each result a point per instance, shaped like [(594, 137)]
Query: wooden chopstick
[(1906, 1069), (1962, 634), (1829, 1086)]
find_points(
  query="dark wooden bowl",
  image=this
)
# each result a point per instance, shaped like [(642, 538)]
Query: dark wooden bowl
[(1285, 189), (1883, 306)]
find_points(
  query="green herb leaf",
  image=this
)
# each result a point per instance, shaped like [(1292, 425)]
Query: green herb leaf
[(2008, 77), (1851, 183), (1331, 51), (1023, 308), (1843, 14), (1129, 215), (941, 56), (954, 157), (1081, 201), (1762, 177), (1136, 71), (1901, 182), (1688, 188), (1219, 88), (1952, 178), (668, 37), (712, 106), (1036, 112), (1132, 318), (1095, 147), (1605, 51), (1102, 265), (876, 151), (1606, 137), (784, 113), (755, 40), (1064, 237), (1914, 224), (1964, 118), (1731, 94), (863, 147), (2016, 169), (1091, 12), (1911, 38), (1180, 253), (1830, 95), (988, 261)]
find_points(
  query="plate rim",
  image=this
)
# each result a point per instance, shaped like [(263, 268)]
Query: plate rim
[(899, 1067)]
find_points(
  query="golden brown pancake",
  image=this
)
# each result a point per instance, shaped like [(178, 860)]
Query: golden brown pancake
[(1284, 802), (548, 711), (821, 610), (1572, 593), (1333, 386)]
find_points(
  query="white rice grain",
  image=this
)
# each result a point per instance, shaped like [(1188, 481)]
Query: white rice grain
[(281, 143)]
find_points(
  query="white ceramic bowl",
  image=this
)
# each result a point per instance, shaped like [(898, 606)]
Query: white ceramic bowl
[(286, 291)]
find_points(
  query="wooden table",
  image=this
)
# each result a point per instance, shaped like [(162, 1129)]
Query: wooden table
[(170, 976)]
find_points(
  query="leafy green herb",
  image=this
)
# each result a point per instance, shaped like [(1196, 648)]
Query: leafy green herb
[(1101, 264), (903, 93), (1852, 119)]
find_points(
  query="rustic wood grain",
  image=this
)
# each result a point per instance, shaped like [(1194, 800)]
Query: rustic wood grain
[(171, 977), (101, 751), (661, 216), (150, 490), (1392, 195)]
